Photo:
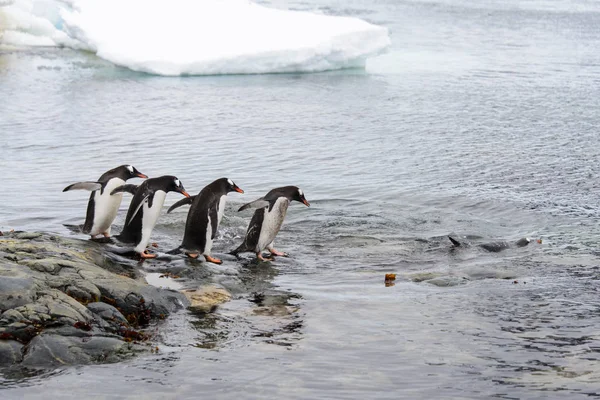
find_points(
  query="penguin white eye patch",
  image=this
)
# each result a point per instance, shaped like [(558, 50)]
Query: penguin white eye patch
[(130, 168), (300, 192), (230, 181), (177, 183)]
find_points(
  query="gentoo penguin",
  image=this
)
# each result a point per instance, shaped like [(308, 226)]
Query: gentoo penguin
[(496, 247), (204, 218), (145, 207), (267, 220), (103, 206)]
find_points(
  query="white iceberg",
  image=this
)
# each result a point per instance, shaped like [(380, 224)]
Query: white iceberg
[(199, 37)]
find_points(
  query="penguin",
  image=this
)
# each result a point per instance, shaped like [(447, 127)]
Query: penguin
[(145, 207), (496, 247), (204, 218), (103, 206), (267, 220)]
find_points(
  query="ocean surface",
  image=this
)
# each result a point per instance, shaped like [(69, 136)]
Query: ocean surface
[(480, 120)]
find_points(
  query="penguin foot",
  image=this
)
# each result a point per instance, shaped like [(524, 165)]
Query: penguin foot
[(277, 253), (192, 255), (261, 258), (106, 234), (145, 255), (212, 259)]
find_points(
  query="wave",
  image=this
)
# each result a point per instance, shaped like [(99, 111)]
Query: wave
[(194, 37)]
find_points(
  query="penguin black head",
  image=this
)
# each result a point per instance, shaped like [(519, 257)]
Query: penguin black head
[(124, 172), (175, 185), (298, 195), (228, 185), (133, 172), (167, 183)]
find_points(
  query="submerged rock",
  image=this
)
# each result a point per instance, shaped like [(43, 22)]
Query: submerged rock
[(63, 302), (206, 298)]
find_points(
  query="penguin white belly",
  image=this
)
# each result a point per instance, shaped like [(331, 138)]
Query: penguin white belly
[(149, 217), (272, 222), (106, 207), (221, 209), (208, 245), (209, 229)]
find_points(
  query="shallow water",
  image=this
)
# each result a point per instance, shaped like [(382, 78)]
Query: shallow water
[(481, 121)]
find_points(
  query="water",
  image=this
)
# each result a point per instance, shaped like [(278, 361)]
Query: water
[(480, 121)]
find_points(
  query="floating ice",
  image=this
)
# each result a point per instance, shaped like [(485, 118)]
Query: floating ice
[(196, 37)]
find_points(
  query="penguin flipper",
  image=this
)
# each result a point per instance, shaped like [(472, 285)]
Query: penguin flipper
[(144, 201), (182, 202), (91, 186), (129, 188), (259, 203), (455, 242)]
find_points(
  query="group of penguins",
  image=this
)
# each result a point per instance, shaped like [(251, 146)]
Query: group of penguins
[(203, 218)]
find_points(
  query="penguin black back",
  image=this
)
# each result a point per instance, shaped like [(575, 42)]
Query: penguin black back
[(289, 192), (124, 172), (204, 206), (270, 213), (132, 230)]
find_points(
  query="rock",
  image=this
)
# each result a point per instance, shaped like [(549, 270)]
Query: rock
[(424, 276), (52, 350), (17, 287), (63, 302), (447, 281), (107, 312), (10, 352), (206, 298)]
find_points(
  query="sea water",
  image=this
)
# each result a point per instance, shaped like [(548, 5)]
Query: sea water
[(480, 121)]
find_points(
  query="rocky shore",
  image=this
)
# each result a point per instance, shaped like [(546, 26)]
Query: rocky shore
[(62, 302)]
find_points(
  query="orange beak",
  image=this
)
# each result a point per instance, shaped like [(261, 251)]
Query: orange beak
[(306, 203), (539, 241), (140, 175), (186, 194), (237, 189)]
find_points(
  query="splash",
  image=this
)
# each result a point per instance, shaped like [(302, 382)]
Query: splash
[(191, 37)]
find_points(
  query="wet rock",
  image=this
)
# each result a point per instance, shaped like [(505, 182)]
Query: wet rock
[(424, 276), (45, 284), (206, 298), (444, 281), (10, 352), (54, 350), (107, 312), (17, 287)]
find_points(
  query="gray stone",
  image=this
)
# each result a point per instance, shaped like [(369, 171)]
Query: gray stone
[(10, 352), (107, 312), (45, 284), (51, 350), (17, 287)]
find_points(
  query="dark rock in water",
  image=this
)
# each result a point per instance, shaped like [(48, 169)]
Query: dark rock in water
[(54, 350), (62, 302)]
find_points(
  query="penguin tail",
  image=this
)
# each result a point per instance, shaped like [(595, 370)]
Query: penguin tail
[(237, 251), (75, 228), (455, 242), (176, 250)]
